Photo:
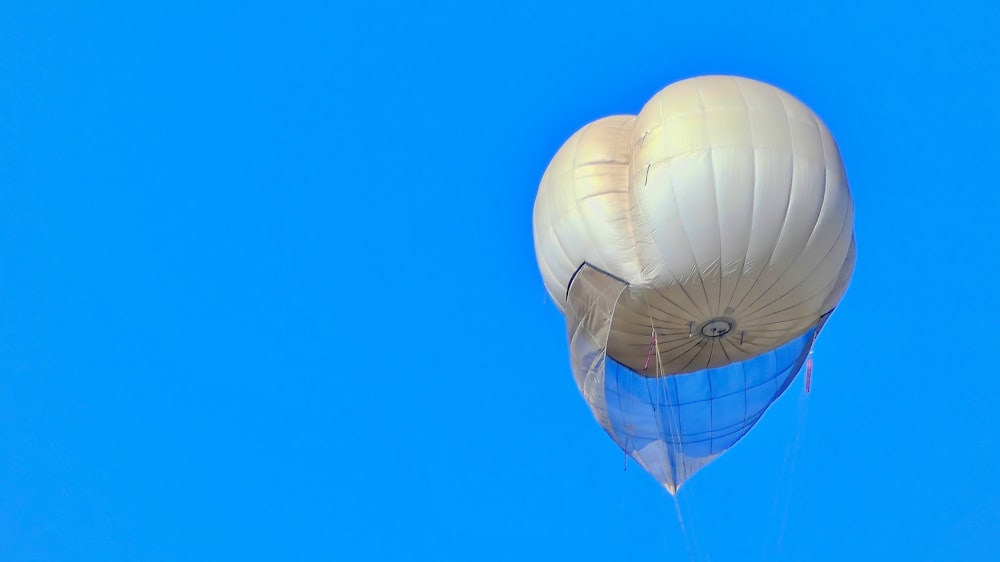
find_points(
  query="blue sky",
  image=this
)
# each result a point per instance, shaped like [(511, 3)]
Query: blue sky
[(268, 291)]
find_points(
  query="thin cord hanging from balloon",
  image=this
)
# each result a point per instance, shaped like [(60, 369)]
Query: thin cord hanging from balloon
[(675, 437), (784, 494)]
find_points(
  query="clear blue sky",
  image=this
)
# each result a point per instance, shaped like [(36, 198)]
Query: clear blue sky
[(268, 291)]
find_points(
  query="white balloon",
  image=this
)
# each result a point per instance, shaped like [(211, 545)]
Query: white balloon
[(723, 205)]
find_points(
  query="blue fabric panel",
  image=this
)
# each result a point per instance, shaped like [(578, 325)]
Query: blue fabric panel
[(675, 425)]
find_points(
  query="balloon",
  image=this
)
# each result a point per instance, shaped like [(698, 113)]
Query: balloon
[(696, 250)]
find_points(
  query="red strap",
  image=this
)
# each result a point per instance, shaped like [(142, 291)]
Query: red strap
[(649, 351)]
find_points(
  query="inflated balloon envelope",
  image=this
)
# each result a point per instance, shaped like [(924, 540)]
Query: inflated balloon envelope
[(696, 250)]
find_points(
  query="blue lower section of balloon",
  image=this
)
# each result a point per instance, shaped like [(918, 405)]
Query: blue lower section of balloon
[(675, 425)]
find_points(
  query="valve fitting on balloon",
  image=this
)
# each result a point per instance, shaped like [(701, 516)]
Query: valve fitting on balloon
[(717, 327)]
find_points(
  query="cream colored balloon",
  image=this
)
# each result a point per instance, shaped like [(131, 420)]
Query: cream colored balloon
[(723, 204)]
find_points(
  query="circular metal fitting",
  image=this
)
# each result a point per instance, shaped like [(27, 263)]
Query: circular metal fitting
[(717, 327)]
